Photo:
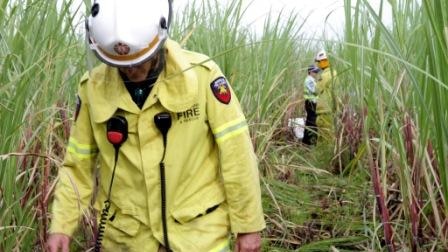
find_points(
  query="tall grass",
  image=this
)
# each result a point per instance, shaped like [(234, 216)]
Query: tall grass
[(394, 92), (395, 74), (39, 66)]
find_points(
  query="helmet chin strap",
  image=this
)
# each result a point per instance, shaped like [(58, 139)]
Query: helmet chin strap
[(160, 64), (170, 13)]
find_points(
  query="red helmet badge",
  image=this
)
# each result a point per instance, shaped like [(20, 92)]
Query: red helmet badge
[(121, 48)]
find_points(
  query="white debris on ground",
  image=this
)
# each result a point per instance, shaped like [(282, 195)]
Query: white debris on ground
[(297, 125)]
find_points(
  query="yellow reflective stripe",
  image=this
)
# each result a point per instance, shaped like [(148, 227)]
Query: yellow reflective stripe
[(227, 125), (81, 150), (233, 133), (310, 97), (222, 247), (230, 129)]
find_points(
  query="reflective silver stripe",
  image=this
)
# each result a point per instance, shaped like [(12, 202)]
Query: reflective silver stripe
[(230, 129), (81, 150)]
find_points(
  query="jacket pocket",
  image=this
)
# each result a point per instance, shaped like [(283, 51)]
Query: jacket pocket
[(121, 223), (201, 204)]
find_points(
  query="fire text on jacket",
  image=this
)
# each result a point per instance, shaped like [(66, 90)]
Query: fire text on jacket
[(189, 115)]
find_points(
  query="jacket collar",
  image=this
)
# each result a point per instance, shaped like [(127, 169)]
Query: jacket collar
[(176, 88)]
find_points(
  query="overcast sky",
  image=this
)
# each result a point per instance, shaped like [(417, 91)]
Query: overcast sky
[(316, 12)]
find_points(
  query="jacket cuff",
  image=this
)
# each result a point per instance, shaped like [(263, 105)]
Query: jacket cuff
[(247, 224), (241, 229), (63, 227)]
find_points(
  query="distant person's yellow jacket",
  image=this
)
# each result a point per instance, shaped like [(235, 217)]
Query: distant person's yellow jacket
[(212, 180), (325, 87)]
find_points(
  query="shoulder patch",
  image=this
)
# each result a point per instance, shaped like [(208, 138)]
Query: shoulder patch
[(221, 90), (78, 107)]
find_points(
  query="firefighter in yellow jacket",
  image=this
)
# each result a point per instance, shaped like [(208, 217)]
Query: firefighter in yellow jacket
[(326, 104), (176, 167)]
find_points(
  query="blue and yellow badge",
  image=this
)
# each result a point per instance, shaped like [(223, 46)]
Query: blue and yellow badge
[(78, 107), (221, 90)]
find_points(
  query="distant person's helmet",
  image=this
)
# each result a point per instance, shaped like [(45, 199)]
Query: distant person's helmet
[(322, 59), (321, 55), (125, 33)]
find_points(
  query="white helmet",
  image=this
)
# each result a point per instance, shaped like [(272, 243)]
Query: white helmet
[(321, 55), (124, 33)]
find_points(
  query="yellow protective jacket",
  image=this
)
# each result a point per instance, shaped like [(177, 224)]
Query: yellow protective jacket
[(325, 87), (209, 159)]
